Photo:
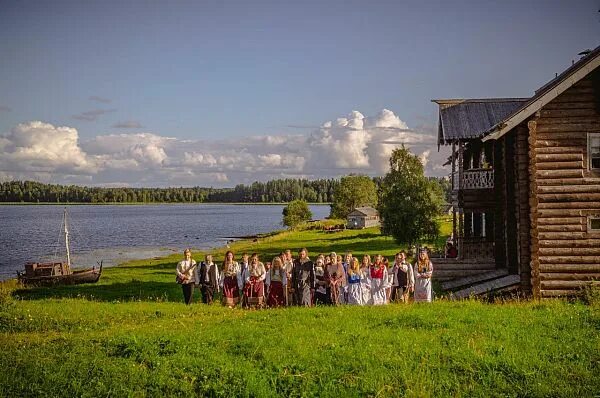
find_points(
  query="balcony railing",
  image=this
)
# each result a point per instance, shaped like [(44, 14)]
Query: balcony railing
[(473, 179)]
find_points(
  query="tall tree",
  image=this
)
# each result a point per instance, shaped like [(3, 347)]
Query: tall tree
[(353, 191), (410, 202), (296, 212)]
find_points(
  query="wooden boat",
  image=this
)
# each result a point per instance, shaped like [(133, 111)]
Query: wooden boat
[(58, 273)]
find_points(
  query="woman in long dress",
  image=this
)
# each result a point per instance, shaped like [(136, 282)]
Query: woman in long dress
[(365, 284), (231, 274), (254, 289), (356, 277), (379, 281), (423, 270), (276, 283), (320, 297)]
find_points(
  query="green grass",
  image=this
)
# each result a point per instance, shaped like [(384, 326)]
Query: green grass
[(130, 335)]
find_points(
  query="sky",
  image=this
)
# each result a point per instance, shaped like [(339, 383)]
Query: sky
[(216, 93)]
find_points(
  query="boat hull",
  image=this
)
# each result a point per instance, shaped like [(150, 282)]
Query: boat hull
[(77, 277)]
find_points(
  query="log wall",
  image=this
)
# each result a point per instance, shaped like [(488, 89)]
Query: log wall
[(565, 255)]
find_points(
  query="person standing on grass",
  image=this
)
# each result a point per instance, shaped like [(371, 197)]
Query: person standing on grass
[(187, 275), (303, 279), (404, 280), (254, 287), (231, 274), (423, 271), (347, 263), (365, 284), (288, 266), (320, 294), (379, 280), (334, 275), (209, 279), (356, 277), (276, 283)]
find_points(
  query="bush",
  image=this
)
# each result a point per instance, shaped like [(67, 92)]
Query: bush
[(296, 212)]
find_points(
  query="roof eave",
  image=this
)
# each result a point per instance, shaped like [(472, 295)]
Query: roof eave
[(524, 113)]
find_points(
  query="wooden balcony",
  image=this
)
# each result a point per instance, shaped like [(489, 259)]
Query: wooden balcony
[(473, 179), (475, 248)]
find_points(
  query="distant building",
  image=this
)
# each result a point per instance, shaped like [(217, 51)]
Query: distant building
[(363, 217)]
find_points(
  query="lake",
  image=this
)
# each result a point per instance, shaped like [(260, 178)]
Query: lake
[(117, 233)]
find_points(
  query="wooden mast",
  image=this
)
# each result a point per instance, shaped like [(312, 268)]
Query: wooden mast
[(67, 238)]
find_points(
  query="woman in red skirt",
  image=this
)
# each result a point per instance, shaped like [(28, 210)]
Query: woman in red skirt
[(254, 289), (276, 284), (231, 271)]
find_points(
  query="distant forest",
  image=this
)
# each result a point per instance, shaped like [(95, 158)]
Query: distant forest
[(283, 190)]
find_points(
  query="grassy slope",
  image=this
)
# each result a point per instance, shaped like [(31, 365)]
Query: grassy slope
[(134, 337)]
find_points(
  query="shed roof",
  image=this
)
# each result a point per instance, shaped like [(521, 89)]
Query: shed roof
[(547, 93), (462, 119), (365, 211)]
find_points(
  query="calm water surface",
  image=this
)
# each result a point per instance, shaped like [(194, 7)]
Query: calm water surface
[(119, 233)]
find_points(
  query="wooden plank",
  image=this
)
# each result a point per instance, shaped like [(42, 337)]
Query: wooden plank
[(569, 243), (562, 228), (549, 213), (470, 280), (591, 259), (570, 197), (559, 174), (570, 181), (564, 276), (560, 221), (463, 266), (558, 150), (566, 113), (560, 157), (571, 236), (564, 284), (557, 165), (568, 205), (569, 251), (547, 293), (488, 286), (591, 188)]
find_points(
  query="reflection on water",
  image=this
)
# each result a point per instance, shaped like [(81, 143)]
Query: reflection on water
[(118, 233)]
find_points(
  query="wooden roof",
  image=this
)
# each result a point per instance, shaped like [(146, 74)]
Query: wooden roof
[(463, 119), (364, 211)]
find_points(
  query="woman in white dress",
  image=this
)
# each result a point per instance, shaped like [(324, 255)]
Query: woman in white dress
[(379, 281), (423, 270), (365, 283), (231, 275), (356, 277)]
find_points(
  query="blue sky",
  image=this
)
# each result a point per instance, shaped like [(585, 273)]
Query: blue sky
[(209, 71)]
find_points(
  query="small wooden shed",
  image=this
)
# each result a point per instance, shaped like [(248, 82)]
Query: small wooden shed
[(363, 217)]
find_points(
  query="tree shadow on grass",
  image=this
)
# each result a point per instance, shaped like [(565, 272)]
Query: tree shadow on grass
[(133, 290)]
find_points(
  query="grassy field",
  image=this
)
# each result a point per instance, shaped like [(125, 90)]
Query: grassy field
[(130, 335)]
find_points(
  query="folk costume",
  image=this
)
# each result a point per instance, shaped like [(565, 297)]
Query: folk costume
[(254, 287), (365, 286), (209, 281), (334, 276), (276, 286), (321, 297), (187, 276), (356, 295), (404, 281), (231, 292), (288, 266), (379, 283), (423, 272), (303, 280)]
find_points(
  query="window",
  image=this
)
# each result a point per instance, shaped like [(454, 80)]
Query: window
[(594, 223), (594, 151)]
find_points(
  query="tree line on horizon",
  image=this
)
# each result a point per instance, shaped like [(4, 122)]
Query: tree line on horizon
[(281, 190), (273, 191)]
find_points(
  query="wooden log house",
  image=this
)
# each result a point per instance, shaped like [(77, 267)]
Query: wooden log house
[(526, 187)]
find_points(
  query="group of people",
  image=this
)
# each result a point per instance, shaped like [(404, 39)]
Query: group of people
[(328, 280)]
